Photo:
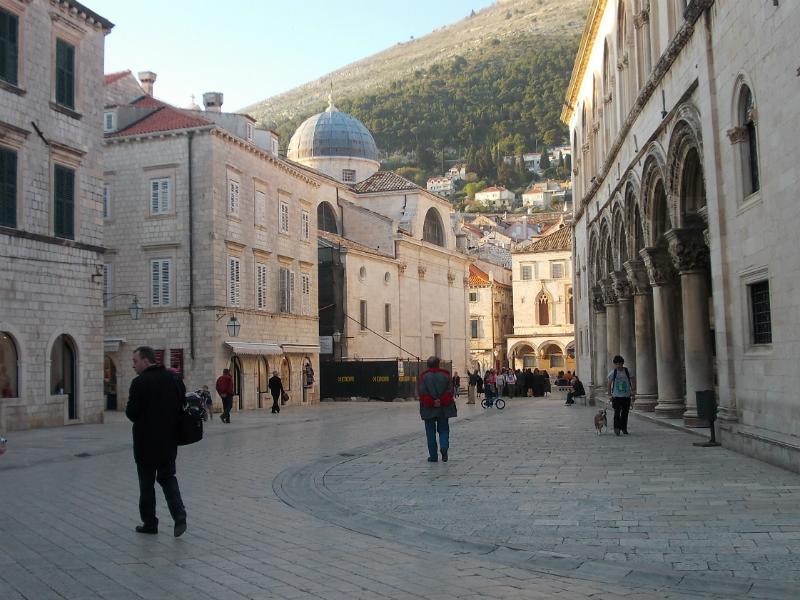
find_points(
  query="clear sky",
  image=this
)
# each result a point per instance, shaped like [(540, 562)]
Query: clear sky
[(254, 49)]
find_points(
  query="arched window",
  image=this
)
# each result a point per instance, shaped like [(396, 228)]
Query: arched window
[(8, 366), (570, 314), (433, 231), (543, 309), (236, 373), (752, 179), (261, 382), (286, 374), (63, 373), (326, 218)]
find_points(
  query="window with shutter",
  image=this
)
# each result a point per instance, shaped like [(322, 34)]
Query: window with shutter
[(291, 292), (558, 271), (64, 202), (9, 46), (160, 196), (304, 229), (526, 272), (387, 318), (261, 286), (261, 209), (233, 281), (8, 187), (363, 315), (306, 294), (166, 276), (284, 218), (65, 74), (160, 282), (233, 197), (283, 290), (106, 286), (473, 328), (106, 201)]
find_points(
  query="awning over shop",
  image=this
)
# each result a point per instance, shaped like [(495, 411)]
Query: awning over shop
[(254, 349), (300, 348)]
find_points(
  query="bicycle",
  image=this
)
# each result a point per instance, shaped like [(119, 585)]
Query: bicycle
[(496, 401)]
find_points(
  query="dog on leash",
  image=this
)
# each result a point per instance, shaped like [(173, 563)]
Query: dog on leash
[(600, 421)]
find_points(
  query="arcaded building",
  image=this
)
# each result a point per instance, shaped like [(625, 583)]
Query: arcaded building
[(683, 122)]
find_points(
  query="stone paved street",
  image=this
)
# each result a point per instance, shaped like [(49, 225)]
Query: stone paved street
[(337, 501)]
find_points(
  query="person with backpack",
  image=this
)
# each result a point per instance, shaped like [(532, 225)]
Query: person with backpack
[(436, 407), (621, 390), (155, 403), (474, 379), (225, 391)]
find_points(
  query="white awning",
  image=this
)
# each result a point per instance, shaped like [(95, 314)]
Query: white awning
[(254, 349), (300, 348)]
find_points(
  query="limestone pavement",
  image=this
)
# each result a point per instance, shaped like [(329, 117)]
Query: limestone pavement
[(337, 501)]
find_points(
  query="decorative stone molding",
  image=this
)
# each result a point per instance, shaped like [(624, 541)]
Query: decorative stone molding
[(622, 289), (620, 65), (688, 250), (737, 135), (466, 281), (585, 147), (575, 171), (599, 114), (402, 266), (752, 114), (597, 299), (421, 271), (638, 278), (642, 18), (609, 294), (659, 265), (607, 99), (451, 277), (706, 238)]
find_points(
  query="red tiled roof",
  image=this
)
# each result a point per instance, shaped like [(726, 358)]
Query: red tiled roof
[(112, 77), (477, 277), (494, 188), (165, 118), (148, 101), (473, 229), (385, 181), (561, 239)]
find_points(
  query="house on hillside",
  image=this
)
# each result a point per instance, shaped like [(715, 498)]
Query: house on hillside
[(457, 172), (441, 185), (498, 196)]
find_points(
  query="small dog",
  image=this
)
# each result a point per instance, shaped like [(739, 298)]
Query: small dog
[(600, 421)]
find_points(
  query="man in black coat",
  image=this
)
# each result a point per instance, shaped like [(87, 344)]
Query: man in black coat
[(275, 386), (154, 404)]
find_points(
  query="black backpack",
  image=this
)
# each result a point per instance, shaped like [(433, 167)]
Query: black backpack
[(190, 420)]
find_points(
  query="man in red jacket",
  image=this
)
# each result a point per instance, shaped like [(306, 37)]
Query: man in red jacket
[(436, 406), (225, 390)]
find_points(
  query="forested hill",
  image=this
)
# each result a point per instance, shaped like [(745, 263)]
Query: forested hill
[(497, 77)]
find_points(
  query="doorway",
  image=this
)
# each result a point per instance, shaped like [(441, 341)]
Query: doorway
[(236, 373), (63, 374), (110, 383)]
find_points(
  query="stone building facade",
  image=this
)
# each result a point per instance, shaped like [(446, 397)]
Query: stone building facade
[(683, 126), (203, 225), (543, 304), (491, 315), (51, 228)]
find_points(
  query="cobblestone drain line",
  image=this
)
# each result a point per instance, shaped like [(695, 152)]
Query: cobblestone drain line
[(305, 488)]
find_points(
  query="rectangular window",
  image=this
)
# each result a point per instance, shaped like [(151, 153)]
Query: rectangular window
[(160, 196), (9, 46), (8, 187), (65, 74), (106, 201), (233, 197), (558, 270), (762, 316), (473, 296), (106, 285), (304, 220), (437, 344), (286, 286), (284, 216), (261, 286), (161, 282), (363, 315), (261, 209), (526, 272), (64, 202), (108, 121), (305, 290), (251, 132), (234, 281), (473, 329), (387, 318), (348, 175)]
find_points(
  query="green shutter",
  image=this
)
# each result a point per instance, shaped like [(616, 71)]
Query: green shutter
[(65, 74), (8, 188), (8, 46), (64, 202)]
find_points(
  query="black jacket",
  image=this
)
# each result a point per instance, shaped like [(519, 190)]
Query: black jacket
[(275, 386), (155, 401)]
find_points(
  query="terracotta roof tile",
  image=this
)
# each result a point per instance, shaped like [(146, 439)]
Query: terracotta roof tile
[(112, 77), (477, 277), (166, 118), (340, 241), (385, 181), (561, 239)]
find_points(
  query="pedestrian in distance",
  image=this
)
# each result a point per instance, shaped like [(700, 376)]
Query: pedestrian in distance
[(436, 407), (208, 403), (511, 383), (621, 391), (225, 391), (275, 386), (155, 402), (474, 379), (480, 382), (457, 384), (576, 392)]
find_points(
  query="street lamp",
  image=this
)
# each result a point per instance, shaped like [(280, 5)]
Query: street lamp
[(135, 309), (337, 336), (233, 326)]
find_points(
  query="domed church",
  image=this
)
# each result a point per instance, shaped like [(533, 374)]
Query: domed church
[(336, 144)]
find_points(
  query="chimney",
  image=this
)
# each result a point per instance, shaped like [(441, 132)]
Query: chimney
[(147, 78), (212, 101)]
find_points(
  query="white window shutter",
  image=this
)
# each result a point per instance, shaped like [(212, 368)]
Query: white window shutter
[(106, 286), (155, 204), (291, 291), (165, 195), (261, 209), (166, 278), (233, 281), (106, 198), (155, 283), (282, 290), (234, 197)]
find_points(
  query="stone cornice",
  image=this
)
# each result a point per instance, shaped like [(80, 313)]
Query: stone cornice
[(82, 14)]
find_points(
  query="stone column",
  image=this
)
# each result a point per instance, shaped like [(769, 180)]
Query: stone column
[(600, 345), (691, 257), (612, 323), (663, 278), (627, 339), (646, 377)]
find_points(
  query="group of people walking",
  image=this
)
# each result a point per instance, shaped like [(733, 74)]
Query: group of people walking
[(508, 382)]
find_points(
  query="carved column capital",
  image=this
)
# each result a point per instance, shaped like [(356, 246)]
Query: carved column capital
[(642, 18), (609, 295), (688, 250), (585, 147), (622, 289), (421, 271), (638, 277), (597, 299), (451, 277), (659, 265), (402, 266), (737, 135)]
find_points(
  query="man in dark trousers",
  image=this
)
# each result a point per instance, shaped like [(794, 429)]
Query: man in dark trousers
[(154, 404), (621, 390), (275, 386), (225, 391), (436, 407)]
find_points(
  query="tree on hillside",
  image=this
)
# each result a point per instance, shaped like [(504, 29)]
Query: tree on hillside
[(544, 162)]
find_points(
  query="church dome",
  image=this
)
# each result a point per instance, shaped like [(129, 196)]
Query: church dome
[(332, 134)]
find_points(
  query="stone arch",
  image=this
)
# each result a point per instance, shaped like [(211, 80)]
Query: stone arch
[(326, 218), (685, 181), (11, 357), (605, 256), (619, 234), (74, 407), (433, 228), (544, 307), (593, 256), (548, 343), (656, 218), (743, 136)]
